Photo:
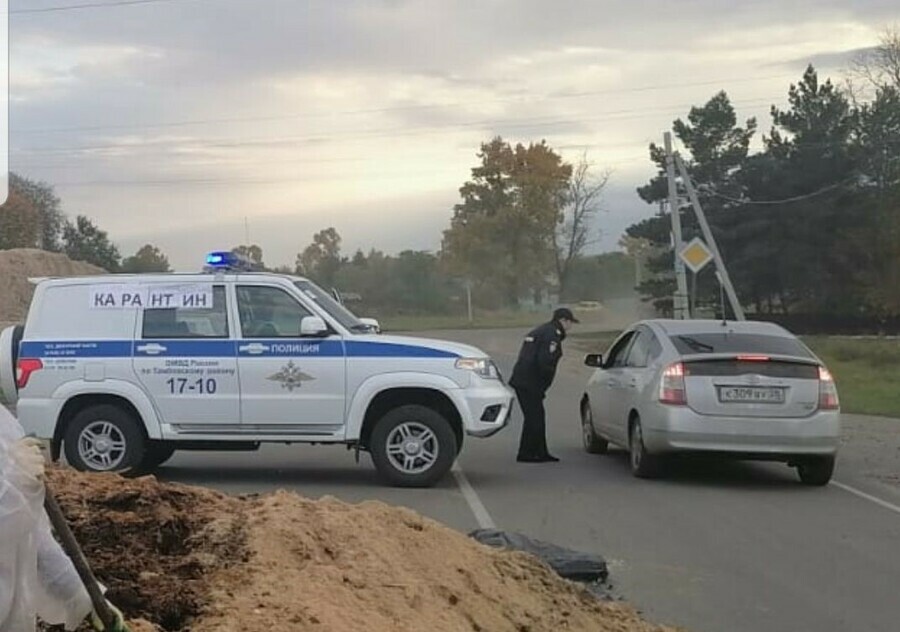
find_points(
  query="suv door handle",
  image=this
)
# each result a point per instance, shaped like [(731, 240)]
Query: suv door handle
[(151, 349), (254, 348), (632, 383)]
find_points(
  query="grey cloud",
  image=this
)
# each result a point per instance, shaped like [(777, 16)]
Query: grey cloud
[(831, 60), (215, 58), (272, 37)]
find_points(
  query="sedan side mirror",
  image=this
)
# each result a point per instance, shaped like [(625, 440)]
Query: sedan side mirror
[(594, 360), (313, 327)]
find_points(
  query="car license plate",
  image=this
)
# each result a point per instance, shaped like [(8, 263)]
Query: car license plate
[(751, 395)]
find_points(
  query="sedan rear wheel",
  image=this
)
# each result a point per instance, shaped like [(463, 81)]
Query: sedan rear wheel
[(643, 464), (816, 471)]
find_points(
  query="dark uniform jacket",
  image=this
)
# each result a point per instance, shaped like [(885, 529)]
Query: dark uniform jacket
[(538, 357)]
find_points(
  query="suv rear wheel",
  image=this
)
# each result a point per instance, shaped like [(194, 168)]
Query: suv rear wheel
[(105, 438), (413, 446)]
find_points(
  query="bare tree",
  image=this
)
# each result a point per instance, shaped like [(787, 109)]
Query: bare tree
[(574, 233), (879, 67)]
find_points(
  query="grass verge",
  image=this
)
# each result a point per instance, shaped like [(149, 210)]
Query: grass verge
[(867, 372)]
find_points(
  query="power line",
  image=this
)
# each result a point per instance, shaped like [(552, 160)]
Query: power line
[(341, 160), (399, 108), (314, 160), (526, 123), (305, 177), (87, 5), (796, 198)]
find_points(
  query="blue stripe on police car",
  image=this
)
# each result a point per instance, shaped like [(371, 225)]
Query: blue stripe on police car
[(226, 348)]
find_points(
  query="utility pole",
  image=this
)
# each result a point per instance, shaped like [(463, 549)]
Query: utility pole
[(469, 299), (711, 242), (681, 293)]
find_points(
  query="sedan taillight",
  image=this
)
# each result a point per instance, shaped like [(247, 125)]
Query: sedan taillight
[(828, 395), (672, 390)]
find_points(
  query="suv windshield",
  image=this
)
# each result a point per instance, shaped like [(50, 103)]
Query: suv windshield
[(337, 311), (739, 343)]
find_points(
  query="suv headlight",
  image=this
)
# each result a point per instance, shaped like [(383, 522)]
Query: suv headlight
[(483, 367)]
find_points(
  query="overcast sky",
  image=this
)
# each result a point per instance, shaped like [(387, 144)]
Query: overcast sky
[(187, 123)]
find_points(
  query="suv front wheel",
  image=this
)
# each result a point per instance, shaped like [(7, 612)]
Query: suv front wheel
[(105, 438), (413, 446)]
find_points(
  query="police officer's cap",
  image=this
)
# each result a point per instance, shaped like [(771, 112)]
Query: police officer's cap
[(564, 313)]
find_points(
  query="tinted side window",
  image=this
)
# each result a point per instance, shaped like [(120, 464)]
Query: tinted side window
[(639, 355), (269, 312), (616, 356), (188, 322), (655, 347)]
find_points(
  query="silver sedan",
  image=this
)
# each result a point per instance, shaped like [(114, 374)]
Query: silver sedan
[(747, 390)]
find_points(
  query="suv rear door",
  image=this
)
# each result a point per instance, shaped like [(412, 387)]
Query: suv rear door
[(185, 358)]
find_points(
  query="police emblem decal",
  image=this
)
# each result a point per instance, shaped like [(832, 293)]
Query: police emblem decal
[(290, 376)]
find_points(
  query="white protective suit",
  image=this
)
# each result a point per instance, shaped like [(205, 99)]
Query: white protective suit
[(37, 578)]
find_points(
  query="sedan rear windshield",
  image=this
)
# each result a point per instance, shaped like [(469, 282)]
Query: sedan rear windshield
[(693, 344), (732, 368)]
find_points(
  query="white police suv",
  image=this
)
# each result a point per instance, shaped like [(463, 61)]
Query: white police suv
[(120, 371)]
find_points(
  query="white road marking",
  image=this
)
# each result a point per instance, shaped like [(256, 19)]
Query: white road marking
[(869, 497), (482, 517)]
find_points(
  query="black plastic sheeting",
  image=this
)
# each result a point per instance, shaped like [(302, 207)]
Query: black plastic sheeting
[(573, 565)]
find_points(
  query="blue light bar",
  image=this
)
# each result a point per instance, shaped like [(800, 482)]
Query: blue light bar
[(226, 260)]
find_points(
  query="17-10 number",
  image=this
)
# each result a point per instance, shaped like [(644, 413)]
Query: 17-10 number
[(181, 385)]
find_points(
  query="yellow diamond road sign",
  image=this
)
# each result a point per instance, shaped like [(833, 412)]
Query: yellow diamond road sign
[(696, 255)]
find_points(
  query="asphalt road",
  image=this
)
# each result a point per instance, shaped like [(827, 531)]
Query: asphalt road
[(724, 547)]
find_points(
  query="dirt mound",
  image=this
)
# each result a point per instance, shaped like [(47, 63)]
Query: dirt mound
[(17, 266), (185, 558), (155, 547)]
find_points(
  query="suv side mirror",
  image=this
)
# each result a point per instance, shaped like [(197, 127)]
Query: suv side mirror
[(372, 324), (594, 360), (313, 327)]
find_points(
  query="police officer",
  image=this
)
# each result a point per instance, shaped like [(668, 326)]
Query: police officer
[(532, 376)]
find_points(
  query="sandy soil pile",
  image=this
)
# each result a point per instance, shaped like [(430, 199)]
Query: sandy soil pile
[(155, 547), (187, 558), (17, 266)]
